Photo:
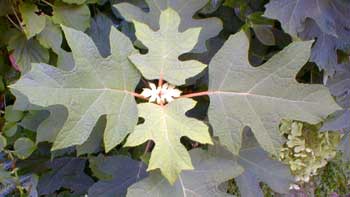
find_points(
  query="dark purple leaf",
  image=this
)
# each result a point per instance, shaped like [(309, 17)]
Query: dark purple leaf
[(123, 172), (66, 173)]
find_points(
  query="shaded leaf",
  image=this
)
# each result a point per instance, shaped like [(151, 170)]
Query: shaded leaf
[(26, 51), (51, 37), (24, 147), (165, 126), (3, 143), (12, 115), (32, 22), (260, 97), (94, 142), (339, 121), (210, 171), (325, 20), (65, 173), (74, 16), (339, 85), (99, 32), (32, 119), (259, 167), (264, 34), (122, 172)]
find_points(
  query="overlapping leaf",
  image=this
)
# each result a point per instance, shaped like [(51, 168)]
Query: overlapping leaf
[(33, 23), (74, 16), (164, 48), (185, 8), (51, 37), (211, 171), (67, 173), (96, 86), (260, 97), (165, 125), (326, 20), (26, 51), (258, 167), (339, 85), (116, 174)]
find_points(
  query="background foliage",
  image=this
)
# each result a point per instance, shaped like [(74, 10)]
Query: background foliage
[(70, 69)]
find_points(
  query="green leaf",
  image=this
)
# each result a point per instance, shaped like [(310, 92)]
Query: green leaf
[(24, 147), (32, 22), (32, 119), (52, 124), (51, 37), (94, 142), (205, 180), (3, 142), (165, 126), (12, 115), (186, 10), (164, 48), (10, 129), (260, 97), (96, 86), (75, 16), (27, 51)]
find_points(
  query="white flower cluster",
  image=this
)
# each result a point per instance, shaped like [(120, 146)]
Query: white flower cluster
[(165, 93)]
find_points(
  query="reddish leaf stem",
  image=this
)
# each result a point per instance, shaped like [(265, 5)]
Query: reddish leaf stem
[(196, 94), (136, 95), (160, 84)]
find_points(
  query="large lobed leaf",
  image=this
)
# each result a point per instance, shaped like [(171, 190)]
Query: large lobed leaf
[(116, 174), (165, 125), (186, 10), (326, 20), (164, 48), (67, 173), (260, 97), (259, 167), (211, 171), (96, 86)]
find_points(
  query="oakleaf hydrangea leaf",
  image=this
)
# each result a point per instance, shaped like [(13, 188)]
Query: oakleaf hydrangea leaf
[(186, 10), (164, 48), (292, 14), (123, 172), (165, 125), (96, 86), (260, 97), (259, 167), (326, 20), (67, 173), (100, 27), (339, 85), (205, 180)]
